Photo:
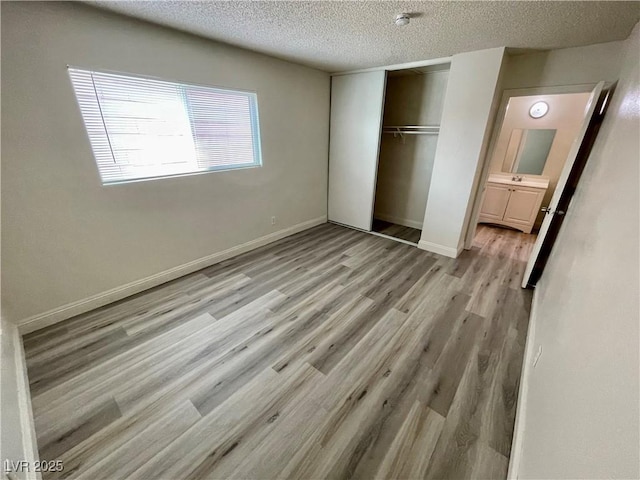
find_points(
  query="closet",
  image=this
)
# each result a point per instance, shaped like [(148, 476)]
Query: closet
[(383, 137), (411, 122)]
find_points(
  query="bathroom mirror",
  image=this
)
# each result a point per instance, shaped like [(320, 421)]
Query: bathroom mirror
[(528, 150)]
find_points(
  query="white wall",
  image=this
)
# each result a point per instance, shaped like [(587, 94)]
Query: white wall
[(578, 416), (65, 237), (565, 66), (469, 111), (17, 434), (405, 165)]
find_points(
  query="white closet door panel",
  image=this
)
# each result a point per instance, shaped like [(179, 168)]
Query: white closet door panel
[(357, 103)]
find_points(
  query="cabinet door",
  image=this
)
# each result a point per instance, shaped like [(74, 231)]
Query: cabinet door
[(523, 206), (495, 201), (357, 101)]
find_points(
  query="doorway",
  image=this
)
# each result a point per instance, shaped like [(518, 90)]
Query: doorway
[(541, 143)]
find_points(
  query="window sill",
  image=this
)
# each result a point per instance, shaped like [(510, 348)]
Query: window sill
[(177, 175)]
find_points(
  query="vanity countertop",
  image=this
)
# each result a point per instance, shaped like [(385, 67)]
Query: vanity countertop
[(527, 181)]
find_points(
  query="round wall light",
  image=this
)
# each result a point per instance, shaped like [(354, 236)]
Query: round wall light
[(539, 109), (402, 19)]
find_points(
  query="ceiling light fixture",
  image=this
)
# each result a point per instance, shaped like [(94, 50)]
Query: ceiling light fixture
[(402, 19), (539, 109)]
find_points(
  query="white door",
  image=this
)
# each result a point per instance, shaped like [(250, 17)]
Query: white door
[(357, 101), (562, 182)]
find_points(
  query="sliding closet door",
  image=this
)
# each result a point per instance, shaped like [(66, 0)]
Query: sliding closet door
[(357, 101)]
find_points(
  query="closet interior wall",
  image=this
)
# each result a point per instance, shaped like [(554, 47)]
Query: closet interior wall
[(413, 98)]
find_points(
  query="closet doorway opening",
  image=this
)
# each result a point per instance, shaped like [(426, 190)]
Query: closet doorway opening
[(413, 104)]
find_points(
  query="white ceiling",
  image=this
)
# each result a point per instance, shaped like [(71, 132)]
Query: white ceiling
[(345, 35)]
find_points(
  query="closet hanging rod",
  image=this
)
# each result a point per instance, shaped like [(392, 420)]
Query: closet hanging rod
[(400, 132), (430, 127)]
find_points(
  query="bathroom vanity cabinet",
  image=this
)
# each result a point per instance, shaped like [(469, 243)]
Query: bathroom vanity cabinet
[(513, 201)]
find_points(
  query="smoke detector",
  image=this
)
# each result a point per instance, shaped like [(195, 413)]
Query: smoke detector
[(402, 19)]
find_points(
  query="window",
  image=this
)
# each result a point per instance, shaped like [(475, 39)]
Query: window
[(142, 128)]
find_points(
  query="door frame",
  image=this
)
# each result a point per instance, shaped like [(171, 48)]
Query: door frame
[(399, 66), (497, 126)]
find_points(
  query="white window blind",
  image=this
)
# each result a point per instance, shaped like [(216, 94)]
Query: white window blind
[(142, 128)]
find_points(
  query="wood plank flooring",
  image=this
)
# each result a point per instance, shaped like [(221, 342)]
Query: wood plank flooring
[(398, 231), (329, 354)]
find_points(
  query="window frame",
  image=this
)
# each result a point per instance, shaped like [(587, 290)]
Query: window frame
[(254, 121)]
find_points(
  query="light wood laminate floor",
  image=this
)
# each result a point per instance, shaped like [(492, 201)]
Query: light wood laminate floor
[(329, 354)]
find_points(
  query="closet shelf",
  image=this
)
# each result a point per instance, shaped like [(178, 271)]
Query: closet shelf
[(411, 129)]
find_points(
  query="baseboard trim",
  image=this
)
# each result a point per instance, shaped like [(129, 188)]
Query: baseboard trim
[(521, 406), (440, 249), (69, 310), (398, 221), (29, 446), (29, 442)]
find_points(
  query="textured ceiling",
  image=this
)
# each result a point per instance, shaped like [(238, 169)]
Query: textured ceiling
[(345, 35)]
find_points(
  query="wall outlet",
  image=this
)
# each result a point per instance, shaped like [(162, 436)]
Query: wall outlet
[(273, 220)]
